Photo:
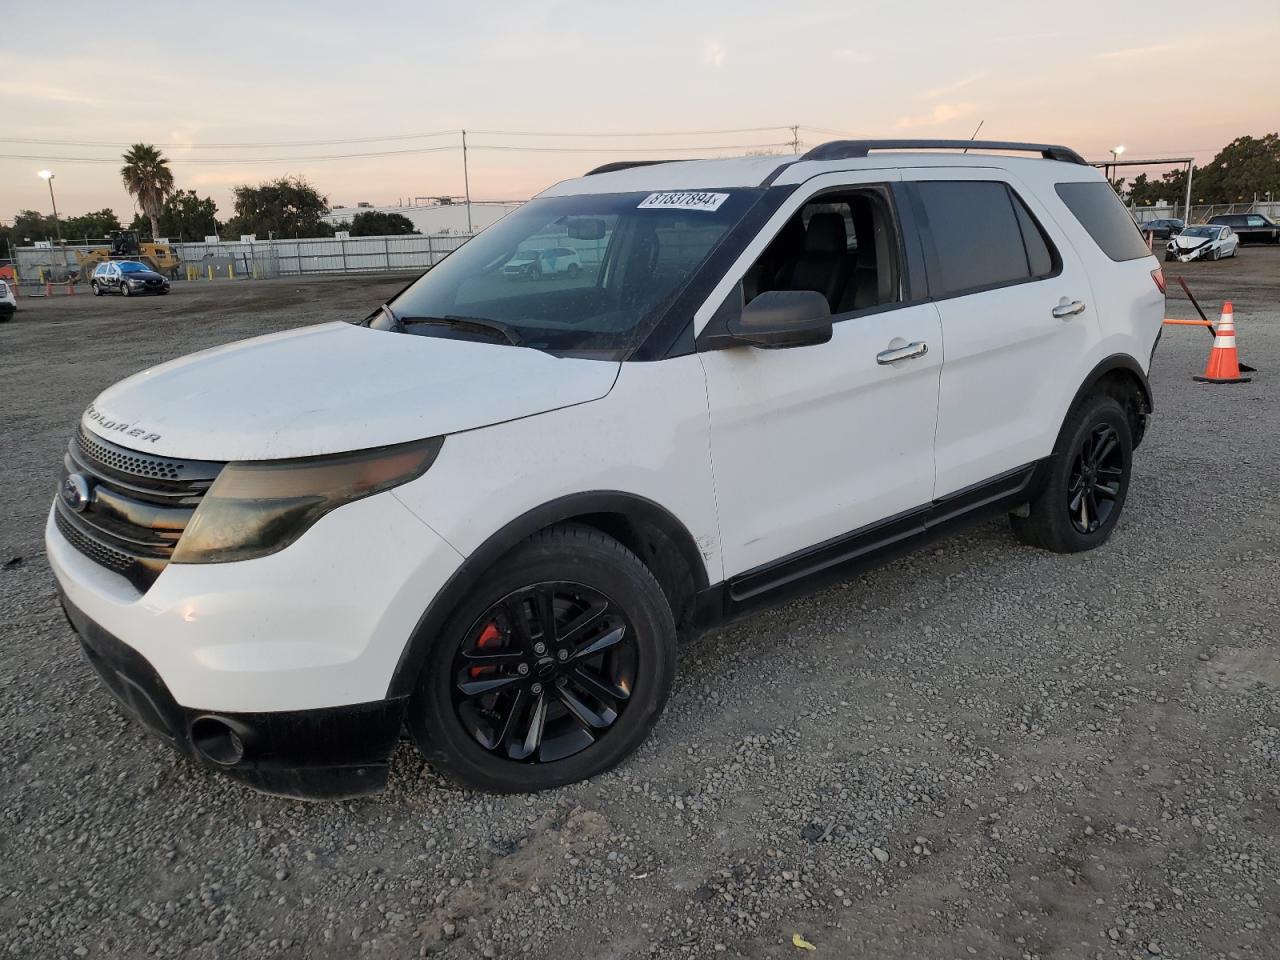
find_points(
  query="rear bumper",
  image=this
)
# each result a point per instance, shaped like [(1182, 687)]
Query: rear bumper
[(325, 754)]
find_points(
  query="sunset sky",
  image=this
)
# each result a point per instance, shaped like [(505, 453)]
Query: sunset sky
[(1163, 79)]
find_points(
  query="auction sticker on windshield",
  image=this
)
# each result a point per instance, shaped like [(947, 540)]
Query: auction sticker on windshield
[(683, 201)]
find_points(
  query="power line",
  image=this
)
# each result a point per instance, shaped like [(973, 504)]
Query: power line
[(175, 145), (633, 133), (325, 158), (225, 146), (703, 147)]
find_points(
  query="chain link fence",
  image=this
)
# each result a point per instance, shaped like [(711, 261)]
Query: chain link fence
[(40, 266), (1201, 212)]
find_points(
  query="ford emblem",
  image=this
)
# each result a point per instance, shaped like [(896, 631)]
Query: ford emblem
[(76, 492)]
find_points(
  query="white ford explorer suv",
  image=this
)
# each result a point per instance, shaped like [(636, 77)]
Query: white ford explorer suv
[(487, 512)]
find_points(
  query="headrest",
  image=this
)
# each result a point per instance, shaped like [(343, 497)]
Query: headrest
[(825, 234)]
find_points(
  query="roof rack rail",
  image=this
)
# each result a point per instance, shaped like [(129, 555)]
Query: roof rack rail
[(627, 165), (849, 149)]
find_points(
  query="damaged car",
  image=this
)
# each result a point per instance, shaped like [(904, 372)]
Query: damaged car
[(1204, 241)]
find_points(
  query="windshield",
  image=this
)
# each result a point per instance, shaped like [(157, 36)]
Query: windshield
[(603, 269), (1201, 231), (132, 268)]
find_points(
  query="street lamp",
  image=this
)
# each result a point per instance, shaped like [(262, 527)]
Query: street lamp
[(1116, 151), (47, 176)]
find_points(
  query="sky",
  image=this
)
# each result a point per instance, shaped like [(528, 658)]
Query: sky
[(1087, 74)]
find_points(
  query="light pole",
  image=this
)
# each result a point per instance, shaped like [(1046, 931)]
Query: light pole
[(1115, 155), (47, 176)]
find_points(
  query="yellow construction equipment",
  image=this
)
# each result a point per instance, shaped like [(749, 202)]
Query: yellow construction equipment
[(125, 245)]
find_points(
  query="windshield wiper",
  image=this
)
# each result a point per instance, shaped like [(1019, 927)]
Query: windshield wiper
[(384, 318), (481, 324)]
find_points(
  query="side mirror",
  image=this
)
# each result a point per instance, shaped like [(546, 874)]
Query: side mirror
[(783, 318)]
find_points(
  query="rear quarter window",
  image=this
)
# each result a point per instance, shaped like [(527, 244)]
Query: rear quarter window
[(1102, 214)]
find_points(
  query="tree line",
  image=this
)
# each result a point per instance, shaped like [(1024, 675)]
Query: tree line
[(1244, 167), (287, 207)]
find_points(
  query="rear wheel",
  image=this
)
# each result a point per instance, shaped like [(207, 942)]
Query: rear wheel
[(1088, 481), (552, 670)]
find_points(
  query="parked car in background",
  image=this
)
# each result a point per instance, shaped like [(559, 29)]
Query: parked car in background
[(8, 302), (1203, 241), (1163, 229), (554, 261), (1250, 227), (127, 278)]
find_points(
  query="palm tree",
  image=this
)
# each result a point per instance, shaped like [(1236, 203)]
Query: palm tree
[(148, 179)]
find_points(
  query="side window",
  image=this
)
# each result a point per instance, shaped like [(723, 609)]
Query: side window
[(1101, 213), (976, 235), (1256, 222), (843, 244)]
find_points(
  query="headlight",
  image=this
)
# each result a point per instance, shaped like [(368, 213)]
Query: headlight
[(256, 508)]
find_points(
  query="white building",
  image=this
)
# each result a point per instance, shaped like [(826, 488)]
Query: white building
[(434, 215)]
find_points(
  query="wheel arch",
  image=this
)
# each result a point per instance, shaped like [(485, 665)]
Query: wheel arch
[(654, 534), (1121, 376)]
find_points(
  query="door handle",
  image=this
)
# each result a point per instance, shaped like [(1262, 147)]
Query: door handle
[(1064, 310), (894, 354)]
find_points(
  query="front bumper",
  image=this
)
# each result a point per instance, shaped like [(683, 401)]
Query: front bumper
[(322, 623), (326, 754)]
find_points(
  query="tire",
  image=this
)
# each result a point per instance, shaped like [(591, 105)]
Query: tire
[(1054, 521), (97, 290), (600, 592), (124, 290), (1216, 255), (573, 271)]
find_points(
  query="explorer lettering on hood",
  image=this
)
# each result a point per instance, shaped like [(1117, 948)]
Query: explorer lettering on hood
[(105, 424)]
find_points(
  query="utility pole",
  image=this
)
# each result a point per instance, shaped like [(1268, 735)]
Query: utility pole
[(466, 180), (795, 139)]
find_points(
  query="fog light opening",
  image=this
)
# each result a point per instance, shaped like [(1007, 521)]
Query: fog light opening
[(218, 740)]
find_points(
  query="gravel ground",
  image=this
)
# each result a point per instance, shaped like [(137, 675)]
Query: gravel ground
[(980, 750)]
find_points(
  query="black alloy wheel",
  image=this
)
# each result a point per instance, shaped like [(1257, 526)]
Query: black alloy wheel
[(1087, 480), (545, 672), (1096, 476), (552, 669)]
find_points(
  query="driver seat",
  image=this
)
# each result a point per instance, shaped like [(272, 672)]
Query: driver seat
[(824, 266)]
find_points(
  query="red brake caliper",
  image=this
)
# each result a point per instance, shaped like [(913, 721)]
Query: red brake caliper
[(490, 637)]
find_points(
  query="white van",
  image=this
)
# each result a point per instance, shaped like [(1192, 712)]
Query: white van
[(488, 511)]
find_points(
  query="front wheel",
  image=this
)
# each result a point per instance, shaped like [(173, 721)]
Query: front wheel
[(1088, 480), (552, 670), (124, 290), (97, 290)]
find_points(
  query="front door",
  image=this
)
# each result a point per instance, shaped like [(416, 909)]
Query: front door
[(811, 443)]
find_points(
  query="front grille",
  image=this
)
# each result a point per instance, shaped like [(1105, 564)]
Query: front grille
[(138, 505)]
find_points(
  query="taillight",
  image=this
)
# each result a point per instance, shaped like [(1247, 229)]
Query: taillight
[(1158, 276)]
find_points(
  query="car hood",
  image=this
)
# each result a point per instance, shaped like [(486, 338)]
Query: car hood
[(1186, 243), (143, 275), (332, 388)]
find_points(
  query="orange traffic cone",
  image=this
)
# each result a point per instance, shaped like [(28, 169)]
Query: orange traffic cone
[(1224, 364)]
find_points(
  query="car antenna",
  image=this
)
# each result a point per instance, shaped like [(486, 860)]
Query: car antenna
[(974, 135)]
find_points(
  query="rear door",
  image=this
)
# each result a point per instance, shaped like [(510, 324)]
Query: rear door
[(1016, 309)]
